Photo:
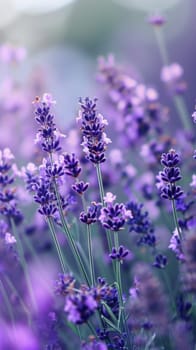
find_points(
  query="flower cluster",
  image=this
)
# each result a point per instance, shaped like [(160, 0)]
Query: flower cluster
[(50, 263), (95, 140), (176, 246), (114, 215), (137, 104), (141, 225), (80, 306), (170, 175), (120, 253), (8, 197), (48, 135)]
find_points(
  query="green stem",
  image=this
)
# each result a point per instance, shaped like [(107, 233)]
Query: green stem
[(170, 290), (91, 264), (161, 45), (92, 329), (70, 238), (119, 283), (175, 218), (178, 100), (66, 230), (14, 290), (118, 271), (7, 302), (101, 191), (23, 263), (182, 111), (56, 242)]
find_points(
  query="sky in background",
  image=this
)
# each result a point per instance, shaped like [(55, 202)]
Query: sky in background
[(64, 38)]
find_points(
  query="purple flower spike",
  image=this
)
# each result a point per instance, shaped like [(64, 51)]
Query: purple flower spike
[(80, 306), (120, 253), (71, 164), (91, 215), (48, 136), (160, 261), (171, 192), (114, 216), (169, 176), (170, 159), (80, 187), (64, 284), (95, 140), (176, 246)]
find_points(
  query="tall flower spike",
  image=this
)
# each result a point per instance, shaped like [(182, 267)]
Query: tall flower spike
[(48, 136), (95, 140), (8, 197), (170, 175)]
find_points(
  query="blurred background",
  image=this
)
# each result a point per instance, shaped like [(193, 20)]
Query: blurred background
[(63, 39)]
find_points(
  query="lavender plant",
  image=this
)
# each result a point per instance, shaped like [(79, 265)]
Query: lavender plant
[(97, 244)]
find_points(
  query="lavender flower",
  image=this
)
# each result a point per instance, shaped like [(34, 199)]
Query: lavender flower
[(120, 253), (176, 246), (80, 306), (80, 187), (95, 140), (141, 224), (48, 135), (160, 261), (45, 197), (91, 215), (114, 216), (8, 197), (71, 165), (170, 175), (64, 284), (109, 295)]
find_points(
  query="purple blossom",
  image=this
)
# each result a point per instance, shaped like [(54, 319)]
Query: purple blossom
[(169, 176), (170, 159), (8, 196), (160, 261), (80, 306), (141, 224), (95, 140), (114, 216), (80, 187), (109, 294), (176, 246), (91, 215), (64, 284), (71, 165), (48, 135), (119, 254), (45, 197)]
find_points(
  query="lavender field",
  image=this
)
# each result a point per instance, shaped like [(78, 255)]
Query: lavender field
[(98, 176)]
